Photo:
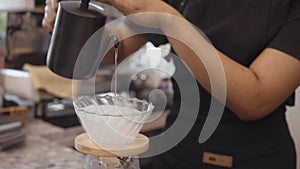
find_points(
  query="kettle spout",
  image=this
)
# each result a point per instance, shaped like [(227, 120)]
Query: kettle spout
[(113, 37)]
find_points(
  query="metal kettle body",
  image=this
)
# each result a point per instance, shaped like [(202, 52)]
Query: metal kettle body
[(76, 22)]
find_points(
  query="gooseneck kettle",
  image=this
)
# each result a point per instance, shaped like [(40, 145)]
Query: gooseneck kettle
[(76, 22)]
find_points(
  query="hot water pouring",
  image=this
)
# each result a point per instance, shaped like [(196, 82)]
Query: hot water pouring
[(76, 23)]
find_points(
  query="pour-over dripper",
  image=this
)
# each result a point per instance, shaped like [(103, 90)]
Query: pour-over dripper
[(112, 120)]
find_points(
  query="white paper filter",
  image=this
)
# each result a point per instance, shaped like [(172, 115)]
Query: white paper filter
[(111, 124)]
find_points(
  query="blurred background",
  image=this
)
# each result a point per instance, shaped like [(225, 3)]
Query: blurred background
[(38, 104)]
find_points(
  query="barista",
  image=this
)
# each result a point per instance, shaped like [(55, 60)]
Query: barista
[(258, 44)]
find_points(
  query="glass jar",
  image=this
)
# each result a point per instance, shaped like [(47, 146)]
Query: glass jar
[(93, 162)]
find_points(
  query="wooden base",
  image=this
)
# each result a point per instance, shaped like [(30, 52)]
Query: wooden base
[(85, 145)]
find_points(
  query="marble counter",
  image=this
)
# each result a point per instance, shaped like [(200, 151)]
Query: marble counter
[(50, 147), (40, 150)]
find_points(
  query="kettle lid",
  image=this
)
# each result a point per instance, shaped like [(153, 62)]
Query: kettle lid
[(75, 8)]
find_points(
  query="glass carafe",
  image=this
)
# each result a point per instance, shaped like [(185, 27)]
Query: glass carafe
[(93, 162)]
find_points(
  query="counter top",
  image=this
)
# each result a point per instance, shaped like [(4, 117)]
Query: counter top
[(50, 147), (40, 151)]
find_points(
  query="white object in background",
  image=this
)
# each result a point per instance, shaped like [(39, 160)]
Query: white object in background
[(150, 57), (19, 83), (293, 119), (16, 5)]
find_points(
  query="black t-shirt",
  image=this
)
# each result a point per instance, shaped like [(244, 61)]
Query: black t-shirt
[(241, 29)]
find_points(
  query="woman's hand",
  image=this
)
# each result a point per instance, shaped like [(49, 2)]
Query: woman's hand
[(149, 13), (50, 14)]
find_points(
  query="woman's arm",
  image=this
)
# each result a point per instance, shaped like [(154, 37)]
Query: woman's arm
[(252, 92)]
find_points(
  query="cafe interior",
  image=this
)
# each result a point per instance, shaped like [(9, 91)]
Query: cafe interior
[(40, 126)]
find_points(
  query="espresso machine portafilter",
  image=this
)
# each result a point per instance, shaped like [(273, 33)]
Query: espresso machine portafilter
[(76, 23)]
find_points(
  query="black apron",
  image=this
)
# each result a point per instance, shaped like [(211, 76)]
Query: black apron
[(241, 30)]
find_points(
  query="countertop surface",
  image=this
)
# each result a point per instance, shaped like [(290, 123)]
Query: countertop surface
[(40, 149), (50, 147)]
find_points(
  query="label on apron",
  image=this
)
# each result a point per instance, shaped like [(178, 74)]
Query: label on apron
[(217, 159)]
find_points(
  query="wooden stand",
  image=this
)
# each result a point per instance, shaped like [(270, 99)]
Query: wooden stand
[(85, 145)]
